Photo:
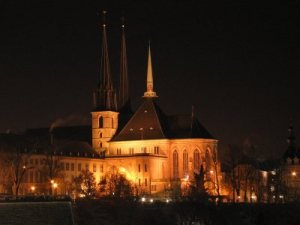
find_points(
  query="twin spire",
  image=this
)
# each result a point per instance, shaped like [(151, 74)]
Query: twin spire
[(105, 97)]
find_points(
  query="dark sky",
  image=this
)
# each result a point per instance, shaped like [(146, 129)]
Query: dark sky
[(238, 64)]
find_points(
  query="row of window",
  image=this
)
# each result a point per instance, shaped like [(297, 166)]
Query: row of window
[(145, 182), (145, 168), (71, 167), (185, 162), (143, 150)]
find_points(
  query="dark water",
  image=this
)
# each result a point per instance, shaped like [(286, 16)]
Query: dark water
[(36, 213)]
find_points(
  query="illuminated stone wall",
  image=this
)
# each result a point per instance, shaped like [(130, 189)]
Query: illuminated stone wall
[(103, 131)]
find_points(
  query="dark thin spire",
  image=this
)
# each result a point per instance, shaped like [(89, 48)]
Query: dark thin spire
[(105, 78), (104, 96), (124, 84), (291, 151), (291, 136)]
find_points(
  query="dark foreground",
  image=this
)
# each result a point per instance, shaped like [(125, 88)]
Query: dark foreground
[(36, 213), (120, 212), (130, 213)]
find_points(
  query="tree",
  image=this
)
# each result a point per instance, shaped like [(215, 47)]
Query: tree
[(51, 168), (85, 184), (232, 160), (115, 184), (214, 176), (15, 157), (197, 190)]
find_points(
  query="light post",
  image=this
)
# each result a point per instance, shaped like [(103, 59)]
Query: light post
[(55, 188), (32, 188)]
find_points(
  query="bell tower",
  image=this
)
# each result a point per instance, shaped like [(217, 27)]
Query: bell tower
[(104, 114)]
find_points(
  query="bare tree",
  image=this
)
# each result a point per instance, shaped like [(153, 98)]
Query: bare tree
[(50, 169), (15, 156), (232, 160), (213, 175)]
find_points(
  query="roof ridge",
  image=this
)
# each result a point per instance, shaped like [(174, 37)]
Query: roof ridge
[(156, 106)]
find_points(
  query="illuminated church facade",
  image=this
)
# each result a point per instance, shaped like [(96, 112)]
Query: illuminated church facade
[(154, 150), (158, 153)]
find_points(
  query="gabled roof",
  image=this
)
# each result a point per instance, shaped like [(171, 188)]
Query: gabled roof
[(184, 126), (149, 122), (144, 124)]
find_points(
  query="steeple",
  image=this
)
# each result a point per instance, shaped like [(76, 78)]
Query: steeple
[(149, 93), (291, 151), (291, 136), (124, 86), (105, 96)]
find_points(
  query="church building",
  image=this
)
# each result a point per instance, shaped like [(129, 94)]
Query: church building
[(158, 153)]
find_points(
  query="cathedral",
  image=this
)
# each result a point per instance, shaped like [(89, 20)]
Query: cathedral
[(153, 149), (157, 153)]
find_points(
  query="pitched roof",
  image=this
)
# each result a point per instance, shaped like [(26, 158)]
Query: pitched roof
[(184, 126), (144, 124), (149, 122)]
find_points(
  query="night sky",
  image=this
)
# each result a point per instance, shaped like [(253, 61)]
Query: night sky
[(238, 64)]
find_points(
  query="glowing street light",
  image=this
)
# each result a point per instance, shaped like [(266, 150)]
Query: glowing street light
[(294, 173), (32, 188)]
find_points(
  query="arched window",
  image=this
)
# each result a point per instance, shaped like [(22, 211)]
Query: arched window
[(100, 145), (112, 122), (100, 122), (175, 165), (196, 160), (185, 163), (100, 135)]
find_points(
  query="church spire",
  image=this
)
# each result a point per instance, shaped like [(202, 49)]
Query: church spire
[(124, 86), (105, 79), (104, 96), (149, 93)]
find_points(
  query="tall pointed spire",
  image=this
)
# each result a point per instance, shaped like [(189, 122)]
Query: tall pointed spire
[(124, 85), (149, 93), (105, 79), (104, 96), (291, 151)]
